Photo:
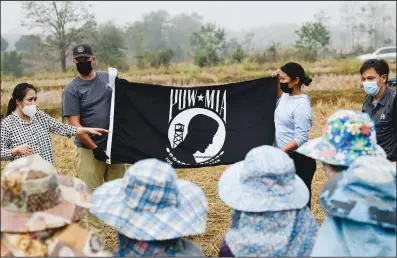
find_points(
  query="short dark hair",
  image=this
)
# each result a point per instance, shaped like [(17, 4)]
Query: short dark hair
[(380, 66)]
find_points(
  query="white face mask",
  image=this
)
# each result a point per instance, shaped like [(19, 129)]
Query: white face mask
[(29, 110)]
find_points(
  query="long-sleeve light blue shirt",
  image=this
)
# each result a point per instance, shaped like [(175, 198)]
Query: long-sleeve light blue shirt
[(293, 119)]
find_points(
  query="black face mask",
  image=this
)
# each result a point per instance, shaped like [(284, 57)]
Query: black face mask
[(284, 87), (84, 68)]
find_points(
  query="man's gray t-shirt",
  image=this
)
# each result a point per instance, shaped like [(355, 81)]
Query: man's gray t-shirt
[(90, 99)]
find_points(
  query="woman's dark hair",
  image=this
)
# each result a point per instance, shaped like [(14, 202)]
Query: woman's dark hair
[(381, 67), (294, 70), (19, 93)]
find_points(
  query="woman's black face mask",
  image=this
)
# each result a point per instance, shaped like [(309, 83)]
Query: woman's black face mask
[(84, 68), (284, 87)]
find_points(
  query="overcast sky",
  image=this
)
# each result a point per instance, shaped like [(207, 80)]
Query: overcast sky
[(235, 15)]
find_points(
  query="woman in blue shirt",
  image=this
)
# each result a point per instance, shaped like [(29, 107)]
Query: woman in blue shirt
[(293, 118)]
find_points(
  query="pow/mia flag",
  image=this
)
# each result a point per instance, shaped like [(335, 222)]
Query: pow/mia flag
[(191, 126)]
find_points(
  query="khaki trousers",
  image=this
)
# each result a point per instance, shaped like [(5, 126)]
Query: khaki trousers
[(94, 173)]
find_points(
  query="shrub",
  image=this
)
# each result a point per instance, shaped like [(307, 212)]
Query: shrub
[(11, 63), (238, 54), (162, 57)]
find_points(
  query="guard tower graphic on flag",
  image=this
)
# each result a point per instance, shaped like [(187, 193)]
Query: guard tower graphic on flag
[(178, 136)]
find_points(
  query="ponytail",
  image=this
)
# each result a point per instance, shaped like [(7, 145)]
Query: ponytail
[(12, 105), (19, 93)]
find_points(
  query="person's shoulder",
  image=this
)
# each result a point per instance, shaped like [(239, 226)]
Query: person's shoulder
[(103, 74), (7, 120), (392, 92), (71, 85), (42, 114), (304, 100), (391, 95)]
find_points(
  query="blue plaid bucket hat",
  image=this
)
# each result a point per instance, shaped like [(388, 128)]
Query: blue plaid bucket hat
[(348, 135), (264, 181), (365, 193), (150, 203)]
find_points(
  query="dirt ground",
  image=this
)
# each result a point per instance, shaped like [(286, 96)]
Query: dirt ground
[(207, 178)]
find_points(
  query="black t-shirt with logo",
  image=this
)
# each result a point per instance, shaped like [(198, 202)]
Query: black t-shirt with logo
[(385, 121)]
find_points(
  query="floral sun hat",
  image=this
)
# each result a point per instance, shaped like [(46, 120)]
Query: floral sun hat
[(365, 193), (264, 181), (348, 135), (34, 197), (150, 203)]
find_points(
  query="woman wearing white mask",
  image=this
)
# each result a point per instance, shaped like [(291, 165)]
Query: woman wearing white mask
[(378, 104), (26, 131)]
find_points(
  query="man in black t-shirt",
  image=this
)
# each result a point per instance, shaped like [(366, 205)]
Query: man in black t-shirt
[(378, 104)]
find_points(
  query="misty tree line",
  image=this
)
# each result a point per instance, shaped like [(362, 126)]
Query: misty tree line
[(159, 38)]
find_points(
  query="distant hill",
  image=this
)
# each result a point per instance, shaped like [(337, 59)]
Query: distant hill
[(264, 36), (282, 33), (11, 38)]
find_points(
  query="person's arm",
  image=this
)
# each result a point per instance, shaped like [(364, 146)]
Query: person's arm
[(279, 91), (62, 129), (6, 152), (291, 146), (303, 123), (84, 138)]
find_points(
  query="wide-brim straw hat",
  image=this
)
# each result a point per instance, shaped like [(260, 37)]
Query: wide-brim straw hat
[(34, 197)]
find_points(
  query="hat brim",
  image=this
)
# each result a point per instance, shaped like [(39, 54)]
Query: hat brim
[(82, 55), (320, 149), (73, 207), (70, 241), (188, 218), (243, 198)]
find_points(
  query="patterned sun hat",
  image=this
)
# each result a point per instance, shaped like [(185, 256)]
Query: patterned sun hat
[(69, 241), (348, 135), (150, 203), (34, 197), (365, 193), (264, 181)]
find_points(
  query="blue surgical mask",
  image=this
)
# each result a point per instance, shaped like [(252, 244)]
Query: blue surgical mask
[(371, 88)]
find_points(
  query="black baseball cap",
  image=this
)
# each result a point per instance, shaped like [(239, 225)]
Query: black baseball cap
[(82, 50)]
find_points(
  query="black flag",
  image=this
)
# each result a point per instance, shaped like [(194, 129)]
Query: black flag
[(191, 126)]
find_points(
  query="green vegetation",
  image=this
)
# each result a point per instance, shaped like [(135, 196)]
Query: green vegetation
[(161, 43)]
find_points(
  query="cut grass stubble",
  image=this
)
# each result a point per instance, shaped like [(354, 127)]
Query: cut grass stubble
[(328, 93)]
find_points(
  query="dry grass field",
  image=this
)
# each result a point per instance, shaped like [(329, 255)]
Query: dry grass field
[(207, 178), (333, 87)]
